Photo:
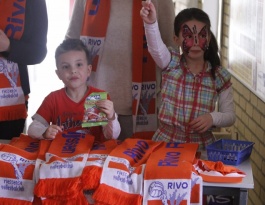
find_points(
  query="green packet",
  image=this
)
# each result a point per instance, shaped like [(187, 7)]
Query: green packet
[(92, 115)]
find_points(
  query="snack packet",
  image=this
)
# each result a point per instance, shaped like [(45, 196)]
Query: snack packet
[(92, 115)]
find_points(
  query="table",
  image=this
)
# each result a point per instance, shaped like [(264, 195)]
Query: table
[(238, 190)]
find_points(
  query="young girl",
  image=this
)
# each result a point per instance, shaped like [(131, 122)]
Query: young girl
[(63, 109), (192, 80)]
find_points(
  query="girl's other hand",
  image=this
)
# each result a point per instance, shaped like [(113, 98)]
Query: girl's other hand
[(148, 12), (202, 123)]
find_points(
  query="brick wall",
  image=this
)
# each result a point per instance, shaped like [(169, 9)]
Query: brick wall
[(250, 123)]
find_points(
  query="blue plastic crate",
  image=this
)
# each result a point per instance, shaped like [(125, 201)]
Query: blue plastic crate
[(230, 152)]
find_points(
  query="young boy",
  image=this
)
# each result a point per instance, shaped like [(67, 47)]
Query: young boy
[(64, 109)]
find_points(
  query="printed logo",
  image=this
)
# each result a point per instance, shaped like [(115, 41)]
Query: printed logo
[(156, 190), (123, 176), (19, 164), (99, 159), (10, 71)]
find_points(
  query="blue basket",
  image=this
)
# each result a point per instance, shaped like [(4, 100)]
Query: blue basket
[(230, 152)]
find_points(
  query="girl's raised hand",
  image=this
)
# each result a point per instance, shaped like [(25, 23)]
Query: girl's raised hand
[(148, 12)]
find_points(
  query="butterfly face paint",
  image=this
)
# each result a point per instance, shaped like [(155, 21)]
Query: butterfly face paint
[(194, 37)]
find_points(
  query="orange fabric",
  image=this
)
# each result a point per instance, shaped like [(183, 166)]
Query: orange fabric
[(12, 8), (13, 112), (218, 172), (94, 29), (171, 183), (12, 18), (66, 157), (122, 174), (143, 79), (218, 166), (77, 200), (94, 165), (16, 175), (96, 17), (29, 144), (43, 149), (144, 136), (26, 143), (13, 140)]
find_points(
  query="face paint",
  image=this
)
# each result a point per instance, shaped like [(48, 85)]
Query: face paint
[(188, 38), (193, 38), (195, 35), (203, 38)]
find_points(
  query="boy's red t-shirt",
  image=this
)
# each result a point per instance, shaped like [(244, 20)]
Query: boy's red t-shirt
[(57, 108)]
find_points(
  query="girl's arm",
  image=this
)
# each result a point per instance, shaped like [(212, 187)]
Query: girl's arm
[(156, 46), (225, 116), (112, 129)]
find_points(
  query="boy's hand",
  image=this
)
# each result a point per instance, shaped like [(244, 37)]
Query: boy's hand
[(107, 107), (51, 132), (148, 12)]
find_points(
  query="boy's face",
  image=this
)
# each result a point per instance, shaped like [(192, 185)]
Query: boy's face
[(193, 38), (72, 69)]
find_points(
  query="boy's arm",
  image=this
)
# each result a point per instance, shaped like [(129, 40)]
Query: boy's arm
[(37, 127), (112, 129)]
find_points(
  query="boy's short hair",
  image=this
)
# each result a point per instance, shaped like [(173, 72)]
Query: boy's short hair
[(72, 45)]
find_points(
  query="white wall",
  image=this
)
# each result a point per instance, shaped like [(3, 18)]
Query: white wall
[(43, 78), (213, 9)]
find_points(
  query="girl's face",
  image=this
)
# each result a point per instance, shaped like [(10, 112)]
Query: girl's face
[(193, 38), (72, 69)]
